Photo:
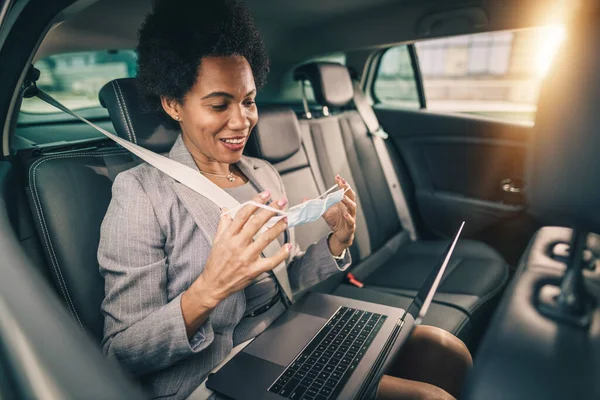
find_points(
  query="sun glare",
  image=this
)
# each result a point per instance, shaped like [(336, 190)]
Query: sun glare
[(547, 44)]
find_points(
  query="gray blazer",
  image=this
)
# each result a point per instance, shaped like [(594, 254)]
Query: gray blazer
[(155, 240)]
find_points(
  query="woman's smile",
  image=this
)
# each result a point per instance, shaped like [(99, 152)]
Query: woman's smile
[(218, 113), (234, 143)]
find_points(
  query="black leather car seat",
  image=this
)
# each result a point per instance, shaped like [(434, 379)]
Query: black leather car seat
[(388, 260), (70, 192)]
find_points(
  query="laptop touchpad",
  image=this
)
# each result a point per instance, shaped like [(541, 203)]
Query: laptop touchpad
[(286, 337)]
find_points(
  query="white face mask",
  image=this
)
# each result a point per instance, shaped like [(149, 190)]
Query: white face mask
[(304, 213)]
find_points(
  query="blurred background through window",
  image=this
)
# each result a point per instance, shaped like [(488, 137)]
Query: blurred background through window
[(495, 74)]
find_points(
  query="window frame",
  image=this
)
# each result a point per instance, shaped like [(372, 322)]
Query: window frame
[(375, 63), (25, 117), (414, 60)]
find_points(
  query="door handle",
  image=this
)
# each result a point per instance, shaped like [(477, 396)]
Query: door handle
[(512, 191), (510, 186)]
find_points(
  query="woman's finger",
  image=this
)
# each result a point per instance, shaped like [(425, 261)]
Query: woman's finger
[(263, 240), (346, 186), (350, 193), (224, 223), (268, 263), (258, 220), (350, 221), (350, 205), (340, 181), (244, 214)]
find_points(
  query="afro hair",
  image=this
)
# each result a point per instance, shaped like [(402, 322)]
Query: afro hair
[(178, 34)]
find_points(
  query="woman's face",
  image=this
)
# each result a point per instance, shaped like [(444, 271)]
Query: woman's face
[(219, 112)]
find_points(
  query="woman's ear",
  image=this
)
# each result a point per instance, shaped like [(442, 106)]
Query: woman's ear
[(171, 107)]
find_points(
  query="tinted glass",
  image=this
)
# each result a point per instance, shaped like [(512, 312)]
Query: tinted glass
[(75, 79)]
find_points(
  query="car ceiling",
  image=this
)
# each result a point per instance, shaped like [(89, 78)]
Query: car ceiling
[(295, 30), (316, 25), (114, 23)]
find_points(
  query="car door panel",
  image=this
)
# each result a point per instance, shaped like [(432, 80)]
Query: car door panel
[(457, 165), (441, 212)]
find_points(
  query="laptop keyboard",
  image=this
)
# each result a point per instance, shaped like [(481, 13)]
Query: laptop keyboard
[(320, 371)]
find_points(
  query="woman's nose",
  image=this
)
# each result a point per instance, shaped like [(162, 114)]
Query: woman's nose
[(239, 119)]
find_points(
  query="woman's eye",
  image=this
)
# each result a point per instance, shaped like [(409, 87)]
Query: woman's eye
[(219, 107), (250, 103)]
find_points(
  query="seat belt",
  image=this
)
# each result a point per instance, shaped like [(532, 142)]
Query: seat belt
[(379, 135), (185, 175)]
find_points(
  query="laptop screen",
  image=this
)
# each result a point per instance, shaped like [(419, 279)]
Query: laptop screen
[(418, 308)]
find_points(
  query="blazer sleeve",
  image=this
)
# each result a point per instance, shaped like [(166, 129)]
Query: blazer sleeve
[(143, 329), (306, 269)]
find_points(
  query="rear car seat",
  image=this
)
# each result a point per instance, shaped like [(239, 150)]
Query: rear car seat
[(70, 192), (302, 178), (388, 261)]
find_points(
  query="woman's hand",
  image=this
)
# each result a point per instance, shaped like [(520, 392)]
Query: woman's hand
[(234, 261), (341, 220)]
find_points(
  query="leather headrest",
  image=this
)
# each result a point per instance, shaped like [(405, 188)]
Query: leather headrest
[(564, 165), (331, 82), (277, 135), (145, 129)]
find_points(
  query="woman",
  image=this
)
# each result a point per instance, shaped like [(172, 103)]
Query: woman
[(185, 282)]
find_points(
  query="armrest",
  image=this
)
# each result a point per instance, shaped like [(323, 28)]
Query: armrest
[(525, 355)]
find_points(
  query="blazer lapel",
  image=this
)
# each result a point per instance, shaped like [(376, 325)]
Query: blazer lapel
[(253, 172), (204, 212), (263, 180)]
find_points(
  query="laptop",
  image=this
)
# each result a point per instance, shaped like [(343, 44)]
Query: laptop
[(325, 347)]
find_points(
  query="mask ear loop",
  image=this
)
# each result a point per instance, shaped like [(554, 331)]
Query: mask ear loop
[(254, 203), (324, 194), (331, 189)]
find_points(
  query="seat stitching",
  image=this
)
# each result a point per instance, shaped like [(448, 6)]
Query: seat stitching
[(481, 300), (461, 326), (122, 112), (493, 293), (478, 303), (127, 116), (45, 231), (505, 280), (464, 310), (450, 269)]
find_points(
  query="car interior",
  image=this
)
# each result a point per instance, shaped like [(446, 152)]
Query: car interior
[(473, 135)]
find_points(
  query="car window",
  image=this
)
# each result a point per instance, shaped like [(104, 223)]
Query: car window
[(395, 83), (75, 79), (495, 75)]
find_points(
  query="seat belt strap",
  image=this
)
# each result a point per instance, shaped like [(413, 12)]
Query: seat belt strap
[(378, 136), (187, 176)]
